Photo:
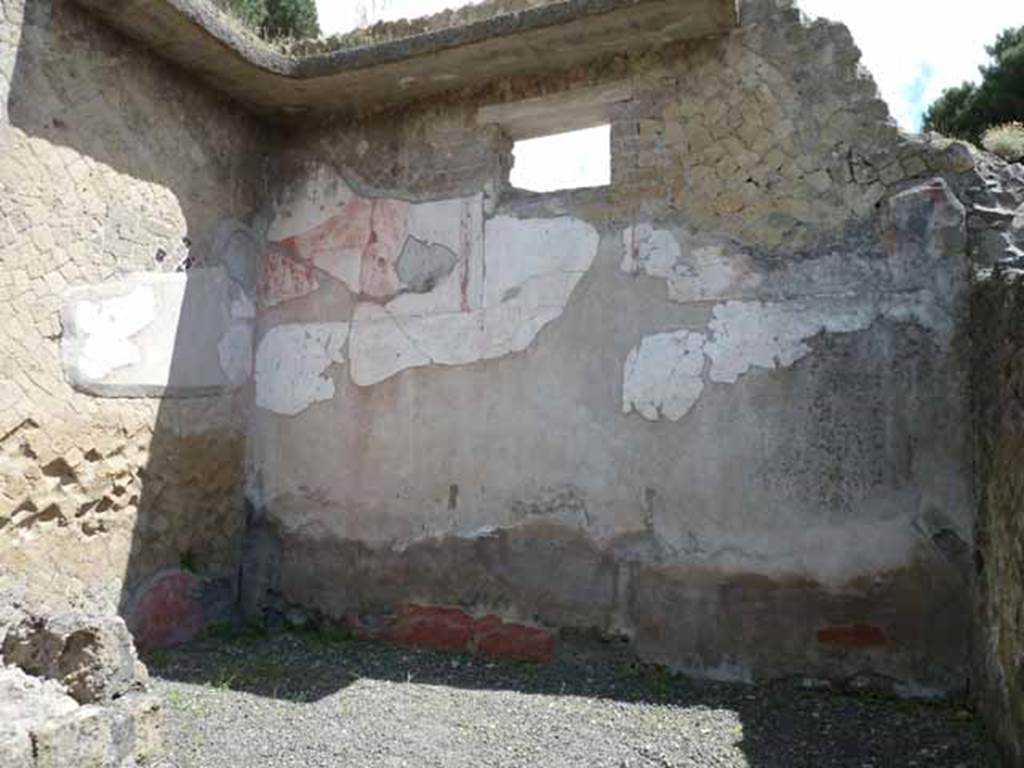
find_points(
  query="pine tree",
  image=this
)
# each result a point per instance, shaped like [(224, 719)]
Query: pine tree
[(274, 19), (966, 111)]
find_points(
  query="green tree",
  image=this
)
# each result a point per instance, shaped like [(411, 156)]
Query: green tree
[(249, 12), (966, 111), (274, 19), (290, 18)]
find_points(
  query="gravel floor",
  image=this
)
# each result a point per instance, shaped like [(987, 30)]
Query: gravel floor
[(312, 700)]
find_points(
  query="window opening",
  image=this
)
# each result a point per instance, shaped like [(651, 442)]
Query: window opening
[(569, 160)]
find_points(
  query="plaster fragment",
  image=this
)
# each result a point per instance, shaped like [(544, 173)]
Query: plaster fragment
[(743, 335), (521, 251), (653, 251), (99, 333), (379, 348), (283, 276), (292, 362), (532, 267), (747, 334), (158, 334), (361, 242), (695, 267), (421, 264), (718, 274), (662, 375)]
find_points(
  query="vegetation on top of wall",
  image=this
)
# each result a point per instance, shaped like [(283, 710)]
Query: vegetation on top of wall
[(276, 20), (1006, 141), (387, 31), (294, 28), (968, 110)]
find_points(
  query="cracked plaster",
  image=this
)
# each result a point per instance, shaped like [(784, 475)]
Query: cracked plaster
[(292, 362), (473, 290)]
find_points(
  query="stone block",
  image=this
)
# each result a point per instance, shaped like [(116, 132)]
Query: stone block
[(82, 738), (92, 655), (15, 747), (136, 729)]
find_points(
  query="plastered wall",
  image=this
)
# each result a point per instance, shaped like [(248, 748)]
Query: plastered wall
[(716, 407)]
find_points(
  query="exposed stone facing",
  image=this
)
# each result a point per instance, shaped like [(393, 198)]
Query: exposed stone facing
[(997, 337), (427, 152), (108, 160), (771, 133)]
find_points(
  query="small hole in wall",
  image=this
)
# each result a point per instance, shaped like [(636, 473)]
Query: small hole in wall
[(569, 160)]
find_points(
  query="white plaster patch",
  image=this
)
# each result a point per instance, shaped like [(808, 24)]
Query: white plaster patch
[(492, 306), (519, 251), (292, 362), (718, 275), (747, 334), (378, 347), (695, 267), (158, 334), (662, 376), (98, 334), (653, 251), (743, 335)]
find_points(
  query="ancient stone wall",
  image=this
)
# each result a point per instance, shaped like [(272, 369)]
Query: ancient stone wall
[(999, 312), (716, 407), (111, 163), (719, 407), (997, 367), (72, 692)]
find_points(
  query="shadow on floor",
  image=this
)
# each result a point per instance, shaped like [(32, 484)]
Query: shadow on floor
[(782, 725)]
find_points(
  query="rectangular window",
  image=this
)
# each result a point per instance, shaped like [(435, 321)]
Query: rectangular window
[(570, 160)]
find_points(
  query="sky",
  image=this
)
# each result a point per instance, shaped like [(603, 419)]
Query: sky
[(914, 48)]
